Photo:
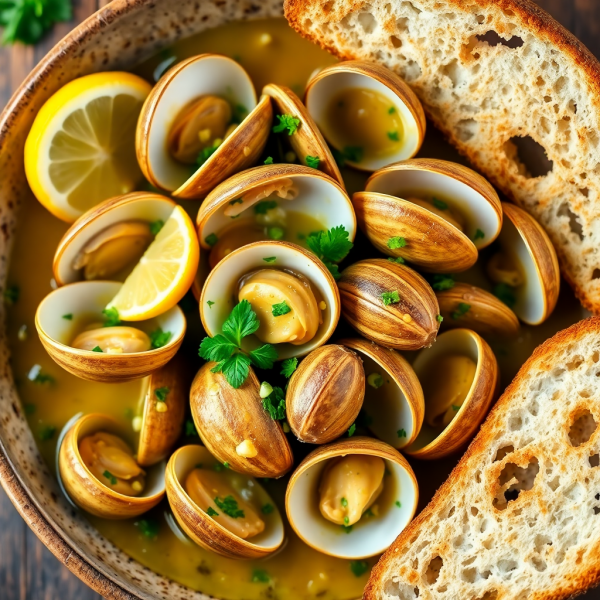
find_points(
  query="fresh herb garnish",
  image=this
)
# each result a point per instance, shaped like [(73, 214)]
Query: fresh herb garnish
[(156, 226), (36, 375), (218, 467), (352, 430), (461, 310), (347, 528), (230, 507), (111, 317), (46, 433), (190, 428), (207, 152), (97, 349), (394, 136), (239, 111), (288, 366), (359, 567), (27, 20), (344, 502), (479, 235), (506, 294), (260, 576), (225, 348), (375, 380), (270, 259), (455, 407), (211, 512), (236, 201), (267, 509), (288, 122), (398, 503), (276, 233), (394, 243), (390, 298), (261, 208), (274, 404), (440, 204), (439, 318), (268, 160), (162, 393), (313, 162), (401, 433), (331, 247), (353, 153), (110, 477), (68, 316), (391, 110), (442, 282), (280, 309), (397, 259), (148, 527), (211, 239), (210, 303), (346, 520), (159, 338)]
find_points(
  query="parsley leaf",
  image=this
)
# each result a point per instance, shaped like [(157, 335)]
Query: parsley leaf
[(264, 357), (353, 153), (97, 349), (313, 161), (211, 239), (506, 294), (288, 366), (209, 303), (396, 242), (46, 433), (156, 226), (261, 208), (230, 507), (280, 309), (260, 576), (267, 509), (394, 136), (162, 393), (159, 338), (352, 430), (190, 428), (110, 477), (240, 323), (391, 110), (274, 404), (207, 152), (442, 282), (347, 528), (268, 160), (440, 319), (211, 512), (390, 298), (462, 309), (398, 259), (276, 233), (288, 122), (270, 259), (440, 204), (111, 317), (217, 348), (27, 20), (479, 235), (235, 368), (401, 433), (359, 567), (330, 246), (68, 316), (148, 527)]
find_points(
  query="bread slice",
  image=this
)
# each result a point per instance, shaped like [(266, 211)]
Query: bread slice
[(519, 517), (498, 77)]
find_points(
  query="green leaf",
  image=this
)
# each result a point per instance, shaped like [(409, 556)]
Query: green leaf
[(267, 509), (159, 338), (27, 20), (274, 404), (260, 576), (506, 294), (240, 323), (148, 527), (156, 226), (395, 243), (262, 207), (268, 160), (397, 259), (375, 380), (210, 303), (236, 201), (190, 428), (440, 319), (390, 298), (97, 349), (211, 512), (344, 502), (391, 110), (398, 503), (401, 433), (352, 430), (36, 375), (276, 233), (479, 235), (235, 369), (110, 477), (288, 122), (440, 204), (239, 111), (161, 393), (335, 244), (359, 567), (353, 153), (111, 317), (229, 506), (346, 528), (394, 136), (211, 239), (333, 269), (206, 153), (216, 349), (68, 316), (441, 283), (270, 259), (313, 162), (288, 366), (462, 309), (280, 309), (264, 357), (46, 433)]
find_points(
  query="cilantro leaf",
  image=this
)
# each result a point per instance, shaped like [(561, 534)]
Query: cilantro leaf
[(46, 433), (401, 433), (261, 208), (68, 316), (270, 259), (276, 233), (111, 317), (353, 153), (190, 428), (235, 368), (216, 349), (288, 366), (240, 323), (268, 160), (280, 309), (97, 349), (398, 259), (479, 235), (27, 20), (229, 506), (394, 136), (440, 319), (440, 204), (211, 512), (110, 477), (156, 226), (330, 246), (288, 122), (333, 269), (313, 162), (264, 357), (159, 338), (390, 298), (274, 404)]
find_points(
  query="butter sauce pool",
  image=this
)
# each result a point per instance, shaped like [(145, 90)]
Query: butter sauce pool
[(271, 52)]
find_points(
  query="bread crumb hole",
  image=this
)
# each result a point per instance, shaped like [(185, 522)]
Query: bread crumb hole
[(433, 570), (493, 39), (396, 41), (530, 157), (502, 452), (565, 211), (583, 427), (466, 129), (594, 460), (596, 275), (513, 480), (475, 510), (575, 363), (367, 21), (492, 595)]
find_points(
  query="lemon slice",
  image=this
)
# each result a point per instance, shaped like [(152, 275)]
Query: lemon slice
[(81, 147), (165, 272)]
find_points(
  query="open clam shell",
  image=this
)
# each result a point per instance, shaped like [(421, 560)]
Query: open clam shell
[(385, 211), (162, 412), (524, 240), (315, 194), (431, 443), (87, 491), (372, 534), (327, 83), (307, 140), (136, 206), (64, 312), (221, 288), (394, 407), (202, 528), (206, 74)]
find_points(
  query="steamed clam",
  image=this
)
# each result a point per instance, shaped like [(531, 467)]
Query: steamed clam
[(367, 113), (225, 512), (435, 214), (460, 379), (100, 473), (76, 334), (351, 498), (200, 124)]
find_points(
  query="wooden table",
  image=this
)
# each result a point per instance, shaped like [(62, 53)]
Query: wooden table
[(27, 569)]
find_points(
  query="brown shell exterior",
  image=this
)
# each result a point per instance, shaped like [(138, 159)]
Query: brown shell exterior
[(225, 417), (410, 324), (85, 490), (325, 394), (160, 430), (487, 316)]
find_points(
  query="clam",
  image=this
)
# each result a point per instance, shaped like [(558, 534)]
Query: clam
[(270, 274), (325, 394), (307, 142), (285, 202), (525, 269), (235, 427), (460, 379), (225, 512), (69, 322), (351, 498), (470, 307), (390, 304), (100, 474), (433, 213), (200, 124), (109, 239), (394, 407), (367, 113)]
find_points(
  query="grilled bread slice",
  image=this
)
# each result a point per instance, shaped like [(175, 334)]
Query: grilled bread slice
[(504, 82), (519, 517)]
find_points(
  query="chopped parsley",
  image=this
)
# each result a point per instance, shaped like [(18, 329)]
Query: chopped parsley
[(239, 111), (346, 520), (97, 349), (394, 136), (211, 512), (274, 404), (190, 428), (230, 507), (210, 303), (288, 366), (270, 259), (506, 294), (401, 433), (162, 393), (479, 235), (352, 430), (313, 162), (36, 375), (268, 160), (353, 153), (461, 310), (359, 567), (276, 233), (331, 247), (260, 576), (110, 477), (28, 20), (288, 122), (441, 283), (46, 433), (439, 319), (455, 407), (346, 528), (261, 208), (267, 509), (156, 226), (344, 502), (280, 309), (211, 239), (375, 380), (236, 201), (390, 298), (397, 259), (398, 503), (148, 527), (394, 243), (68, 316), (207, 152), (440, 204), (111, 317), (391, 110), (159, 338)]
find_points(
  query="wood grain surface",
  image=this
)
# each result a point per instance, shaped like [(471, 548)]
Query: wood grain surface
[(27, 569)]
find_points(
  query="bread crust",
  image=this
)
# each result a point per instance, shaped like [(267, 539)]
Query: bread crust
[(540, 24), (543, 359)]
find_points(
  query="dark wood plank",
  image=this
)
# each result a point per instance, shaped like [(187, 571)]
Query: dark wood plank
[(12, 552), (587, 24)]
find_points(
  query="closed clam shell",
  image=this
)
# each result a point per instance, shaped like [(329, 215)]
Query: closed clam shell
[(410, 323), (225, 417), (325, 394)]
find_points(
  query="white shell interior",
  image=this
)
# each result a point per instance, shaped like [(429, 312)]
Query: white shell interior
[(220, 288), (320, 93), (387, 406), (211, 74), (149, 209), (476, 209), (272, 536), (317, 197), (530, 306), (455, 341), (90, 298), (370, 536)]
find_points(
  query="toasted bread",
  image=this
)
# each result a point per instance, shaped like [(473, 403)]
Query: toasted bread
[(498, 77), (519, 516)]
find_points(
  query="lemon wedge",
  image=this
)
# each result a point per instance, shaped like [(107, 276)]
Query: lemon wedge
[(81, 147), (165, 272)]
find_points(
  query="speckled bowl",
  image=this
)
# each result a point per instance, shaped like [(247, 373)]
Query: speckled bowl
[(117, 37)]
